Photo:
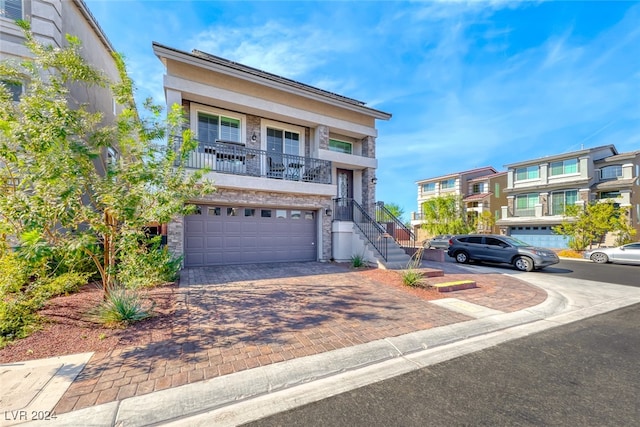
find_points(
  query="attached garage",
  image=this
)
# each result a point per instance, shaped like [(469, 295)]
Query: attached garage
[(218, 235), (542, 236)]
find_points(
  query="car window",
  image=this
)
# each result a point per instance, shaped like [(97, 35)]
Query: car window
[(516, 242), (492, 241), (633, 246), (474, 239)]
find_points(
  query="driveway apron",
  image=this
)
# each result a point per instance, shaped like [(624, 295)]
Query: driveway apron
[(233, 318)]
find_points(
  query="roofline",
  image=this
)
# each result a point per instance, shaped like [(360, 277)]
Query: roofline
[(224, 66), (563, 155), (460, 173), (93, 22)]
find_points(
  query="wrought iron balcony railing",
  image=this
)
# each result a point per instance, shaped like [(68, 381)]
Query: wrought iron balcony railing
[(229, 158)]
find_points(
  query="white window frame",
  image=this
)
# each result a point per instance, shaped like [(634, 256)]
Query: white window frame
[(617, 168), (199, 108), (564, 167), (451, 180), (284, 127), (528, 170), (424, 190)]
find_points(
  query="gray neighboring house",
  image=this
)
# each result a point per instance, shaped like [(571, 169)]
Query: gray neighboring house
[(538, 191), (290, 163)]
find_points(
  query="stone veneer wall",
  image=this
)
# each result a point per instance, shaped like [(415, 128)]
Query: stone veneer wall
[(175, 232), (368, 188), (323, 137)]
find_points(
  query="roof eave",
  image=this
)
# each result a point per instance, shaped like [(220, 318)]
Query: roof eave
[(167, 52)]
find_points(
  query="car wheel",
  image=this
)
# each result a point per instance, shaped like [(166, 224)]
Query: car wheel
[(462, 257), (523, 263), (600, 258)]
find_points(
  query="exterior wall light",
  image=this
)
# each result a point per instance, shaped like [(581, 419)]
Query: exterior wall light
[(328, 212), (374, 180)]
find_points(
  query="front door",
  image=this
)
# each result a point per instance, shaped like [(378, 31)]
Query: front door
[(345, 195)]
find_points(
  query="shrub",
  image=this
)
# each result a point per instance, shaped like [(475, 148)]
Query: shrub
[(18, 319), (122, 307), (357, 261), (14, 274), (412, 278), (18, 310), (147, 266)]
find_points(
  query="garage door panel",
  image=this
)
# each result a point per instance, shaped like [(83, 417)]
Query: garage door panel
[(214, 227), (212, 239), (195, 225)]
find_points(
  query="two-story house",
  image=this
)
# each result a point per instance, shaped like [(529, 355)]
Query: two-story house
[(51, 21), (539, 190), (286, 159), (485, 195), (457, 184)]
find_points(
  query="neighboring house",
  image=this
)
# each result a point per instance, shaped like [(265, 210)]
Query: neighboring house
[(618, 181), (457, 184), (486, 194), (539, 190), (51, 21), (288, 161)]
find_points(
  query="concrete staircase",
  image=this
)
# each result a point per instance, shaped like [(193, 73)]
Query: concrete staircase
[(397, 258)]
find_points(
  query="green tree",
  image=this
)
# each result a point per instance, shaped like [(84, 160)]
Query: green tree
[(584, 226), (55, 200), (487, 220), (395, 210), (445, 215)]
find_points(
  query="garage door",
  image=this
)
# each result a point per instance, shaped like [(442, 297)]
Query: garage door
[(541, 236), (220, 235)]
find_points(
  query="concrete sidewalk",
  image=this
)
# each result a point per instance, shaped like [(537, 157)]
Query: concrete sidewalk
[(253, 393)]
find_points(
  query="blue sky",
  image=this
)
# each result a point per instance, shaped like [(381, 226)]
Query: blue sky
[(469, 84)]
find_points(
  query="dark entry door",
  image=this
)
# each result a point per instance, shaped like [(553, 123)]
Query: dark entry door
[(345, 194)]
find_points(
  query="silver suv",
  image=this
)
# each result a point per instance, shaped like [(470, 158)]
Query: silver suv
[(504, 249)]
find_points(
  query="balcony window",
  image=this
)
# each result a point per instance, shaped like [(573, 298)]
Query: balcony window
[(477, 188), (212, 128), (611, 172), (429, 187), (525, 204), (564, 167), (530, 172), (448, 184), (561, 199), (11, 9), (340, 146)]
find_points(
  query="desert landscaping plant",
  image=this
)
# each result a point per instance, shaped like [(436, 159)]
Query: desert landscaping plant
[(122, 307), (412, 276), (357, 261)]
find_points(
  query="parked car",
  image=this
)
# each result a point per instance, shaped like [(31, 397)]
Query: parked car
[(626, 254), (439, 242), (501, 249)]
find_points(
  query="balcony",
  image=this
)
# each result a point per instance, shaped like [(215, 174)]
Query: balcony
[(236, 159)]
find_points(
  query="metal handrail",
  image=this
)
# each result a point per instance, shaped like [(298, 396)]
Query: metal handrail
[(402, 234), (230, 158), (349, 210)]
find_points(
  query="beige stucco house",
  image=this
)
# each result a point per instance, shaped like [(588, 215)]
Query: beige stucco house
[(294, 165)]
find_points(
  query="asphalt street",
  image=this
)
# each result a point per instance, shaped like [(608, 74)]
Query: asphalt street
[(584, 373), (619, 274)]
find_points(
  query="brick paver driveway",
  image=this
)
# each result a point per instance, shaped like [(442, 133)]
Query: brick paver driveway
[(233, 318)]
